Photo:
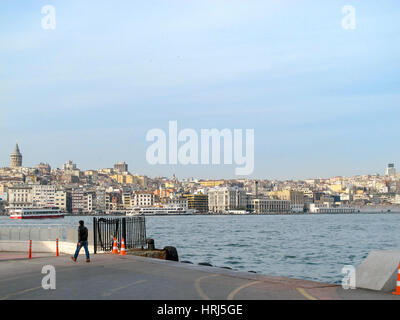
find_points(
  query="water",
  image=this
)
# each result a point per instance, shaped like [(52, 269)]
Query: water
[(312, 247)]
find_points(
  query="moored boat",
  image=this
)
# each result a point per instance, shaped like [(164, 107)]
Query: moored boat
[(35, 213), (160, 210)]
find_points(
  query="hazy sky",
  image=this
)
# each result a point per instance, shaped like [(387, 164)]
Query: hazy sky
[(323, 101)]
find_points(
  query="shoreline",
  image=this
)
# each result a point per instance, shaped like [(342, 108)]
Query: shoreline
[(227, 215)]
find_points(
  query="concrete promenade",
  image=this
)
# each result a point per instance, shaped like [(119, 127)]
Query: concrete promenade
[(131, 277)]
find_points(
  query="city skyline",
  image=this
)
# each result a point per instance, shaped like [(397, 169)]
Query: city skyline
[(390, 169), (322, 100)]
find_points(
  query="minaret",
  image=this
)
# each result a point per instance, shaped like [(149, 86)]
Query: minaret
[(16, 157)]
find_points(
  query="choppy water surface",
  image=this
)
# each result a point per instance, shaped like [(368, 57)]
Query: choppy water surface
[(312, 247)]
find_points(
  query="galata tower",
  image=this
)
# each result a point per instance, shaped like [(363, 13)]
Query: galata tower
[(16, 158)]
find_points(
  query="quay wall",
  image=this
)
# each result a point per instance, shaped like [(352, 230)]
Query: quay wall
[(41, 247), (16, 239)]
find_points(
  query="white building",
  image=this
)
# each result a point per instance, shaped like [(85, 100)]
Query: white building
[(327, 208), (268, 206), (100, 200), (391, 171), (178, 202), (224, 199), (69, 166), (296, 207), (20, 196), (60, 199), (43, 195), (91, 202), (143, 199)]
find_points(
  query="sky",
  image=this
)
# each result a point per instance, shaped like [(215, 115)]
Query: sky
[(323, 100)]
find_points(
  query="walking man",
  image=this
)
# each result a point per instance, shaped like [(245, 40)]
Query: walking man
[(82, 241)]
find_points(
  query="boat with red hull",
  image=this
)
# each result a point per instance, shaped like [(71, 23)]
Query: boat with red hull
[(36, 213)]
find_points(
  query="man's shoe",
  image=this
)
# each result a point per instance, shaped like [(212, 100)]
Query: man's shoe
[(73, 259), (87, 260)]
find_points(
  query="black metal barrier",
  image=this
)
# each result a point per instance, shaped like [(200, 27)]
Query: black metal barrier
[(132, 229)]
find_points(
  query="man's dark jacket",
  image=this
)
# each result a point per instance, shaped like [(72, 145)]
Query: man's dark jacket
[(82, 234)]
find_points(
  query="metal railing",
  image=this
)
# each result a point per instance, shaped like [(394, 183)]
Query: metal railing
[(132, 229)]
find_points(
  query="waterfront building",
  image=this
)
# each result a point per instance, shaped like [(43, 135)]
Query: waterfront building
[(143, 199), (16, 158), (180, 202), (62, 200), (197, 201), (20, 196), (269, 206), (127, 198), (224, 199), (115, 200), (78, 201), (328, 208), (90, 201), (296, 199), (101, 200), (43, 195)]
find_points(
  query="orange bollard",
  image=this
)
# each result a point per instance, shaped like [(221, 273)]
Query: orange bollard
[(123, 249), (57, 253), (397, 292), (30, 249), (115, 246)]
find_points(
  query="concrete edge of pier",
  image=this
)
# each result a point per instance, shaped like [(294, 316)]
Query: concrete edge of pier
[(132, 277), (379, 271)]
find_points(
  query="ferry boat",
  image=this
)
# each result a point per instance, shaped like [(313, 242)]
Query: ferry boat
[(35, 213), (327, 208), (164, 210)]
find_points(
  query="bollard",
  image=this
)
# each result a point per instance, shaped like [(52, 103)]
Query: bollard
[(30, 249), (150, 244), (57, 253), (171, 253)]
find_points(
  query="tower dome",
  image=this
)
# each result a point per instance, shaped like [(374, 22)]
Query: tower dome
[(16, 157)]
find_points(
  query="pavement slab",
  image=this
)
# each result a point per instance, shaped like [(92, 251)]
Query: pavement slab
[(113, 277)]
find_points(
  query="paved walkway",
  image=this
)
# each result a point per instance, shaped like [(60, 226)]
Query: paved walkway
[(131, 277), (21, 255)]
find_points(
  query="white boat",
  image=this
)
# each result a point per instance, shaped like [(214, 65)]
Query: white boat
[(237, 212), (164, 210), (35, 213)]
